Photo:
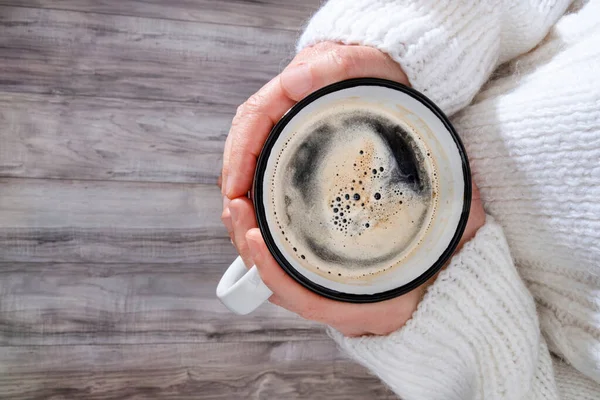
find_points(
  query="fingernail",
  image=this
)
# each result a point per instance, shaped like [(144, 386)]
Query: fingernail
[(297, 81), (229, 182)]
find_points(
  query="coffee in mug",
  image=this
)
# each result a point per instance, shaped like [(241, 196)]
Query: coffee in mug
[(361, 192)]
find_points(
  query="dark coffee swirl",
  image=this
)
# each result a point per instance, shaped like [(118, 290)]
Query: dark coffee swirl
[(352, 192)]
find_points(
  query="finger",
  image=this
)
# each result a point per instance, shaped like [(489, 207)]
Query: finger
[(351, 319), (225, 168), (243, 219), (288, 293), (275, 300), (249, 130), (226, 202), (256, 117), (226, 218), (333, 64), (477, 213), (477, 217), (476, 195), (223, 176)]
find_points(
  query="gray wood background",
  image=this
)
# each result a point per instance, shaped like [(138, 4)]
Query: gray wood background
[(113, 115)]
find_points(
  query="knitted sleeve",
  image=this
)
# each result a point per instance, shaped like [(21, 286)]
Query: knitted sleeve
[(475, 335), (447, 48)]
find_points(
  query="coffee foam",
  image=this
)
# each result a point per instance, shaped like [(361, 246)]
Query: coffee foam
[(356, 191)]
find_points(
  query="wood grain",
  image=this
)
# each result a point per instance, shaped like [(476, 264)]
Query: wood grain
[(112, 121), (86, 54), (111, 222), (66, 137), (292, 370), (57, 304), (279, 14)]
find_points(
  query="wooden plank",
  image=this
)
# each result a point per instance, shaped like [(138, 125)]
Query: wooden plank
[(73, 53), (57, 304), (111, 222), (279, 14), (69, 137), (293, 370)]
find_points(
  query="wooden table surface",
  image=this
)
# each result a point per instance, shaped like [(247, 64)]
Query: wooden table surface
[(113, 116)]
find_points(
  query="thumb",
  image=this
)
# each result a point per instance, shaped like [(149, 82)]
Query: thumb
[(333, 64), (297, 81)]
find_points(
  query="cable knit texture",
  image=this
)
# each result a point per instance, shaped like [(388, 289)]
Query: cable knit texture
[(532, 132), (447, 48), (475, 333)]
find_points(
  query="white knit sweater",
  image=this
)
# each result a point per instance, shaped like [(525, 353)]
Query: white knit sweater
[(532, 133)]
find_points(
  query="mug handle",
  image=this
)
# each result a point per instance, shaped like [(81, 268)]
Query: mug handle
[(241, 290)]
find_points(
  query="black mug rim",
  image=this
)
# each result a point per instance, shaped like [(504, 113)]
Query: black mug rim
[(261, 214)]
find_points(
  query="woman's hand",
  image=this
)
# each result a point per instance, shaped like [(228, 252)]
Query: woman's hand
[(348, 318), (312, 69)]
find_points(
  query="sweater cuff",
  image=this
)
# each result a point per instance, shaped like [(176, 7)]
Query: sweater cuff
[(474, 335), (446, 48)]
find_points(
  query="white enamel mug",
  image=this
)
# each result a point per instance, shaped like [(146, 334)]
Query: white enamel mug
[(241, 288)]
